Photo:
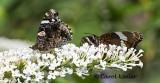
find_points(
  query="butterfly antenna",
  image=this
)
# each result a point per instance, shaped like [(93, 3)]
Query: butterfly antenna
[(88, 33)]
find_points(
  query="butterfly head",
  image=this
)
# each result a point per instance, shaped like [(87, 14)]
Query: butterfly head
[(50, 18), (51, 15)]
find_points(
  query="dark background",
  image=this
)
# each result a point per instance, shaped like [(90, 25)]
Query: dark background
[(20, 19)]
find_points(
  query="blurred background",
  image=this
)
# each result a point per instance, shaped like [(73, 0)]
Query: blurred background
[(20, 20)]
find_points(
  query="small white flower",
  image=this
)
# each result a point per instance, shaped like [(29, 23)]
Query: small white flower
[(19, 80), (16, 73), (140, 64), (81, 71), (50, 56), (51, 75), (6, 80), (121, 56), (103, 64), (53, 65), (69, 59), (44, 56), (28, 78), (69, 70), (38, 76)]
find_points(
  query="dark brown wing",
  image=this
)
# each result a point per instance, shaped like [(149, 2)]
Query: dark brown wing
[(124, 38), (52, 32)]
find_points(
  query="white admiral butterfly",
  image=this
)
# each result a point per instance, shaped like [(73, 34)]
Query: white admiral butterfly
[(52, 32), (124, 38)]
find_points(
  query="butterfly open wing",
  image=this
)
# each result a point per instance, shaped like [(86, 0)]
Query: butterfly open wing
[(123, 38)]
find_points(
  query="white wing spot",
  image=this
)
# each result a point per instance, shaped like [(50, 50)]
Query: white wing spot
[(122, 43), (42, 33), (121, 35), (53, 20), (44, 21), (89, 41)]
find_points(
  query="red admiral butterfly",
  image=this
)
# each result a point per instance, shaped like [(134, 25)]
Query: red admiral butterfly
[(52, 32), (124, 38)]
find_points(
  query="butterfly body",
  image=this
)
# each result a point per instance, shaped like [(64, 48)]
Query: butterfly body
[(123, 38), (52, 33)]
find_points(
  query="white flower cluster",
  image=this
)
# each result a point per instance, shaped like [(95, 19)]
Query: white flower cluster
[(27, 65)]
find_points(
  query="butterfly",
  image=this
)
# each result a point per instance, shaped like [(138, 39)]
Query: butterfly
[(52, 33), (123, 38)]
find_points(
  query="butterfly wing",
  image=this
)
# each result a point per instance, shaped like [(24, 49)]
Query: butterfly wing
[(124, 38), (52, 32)]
